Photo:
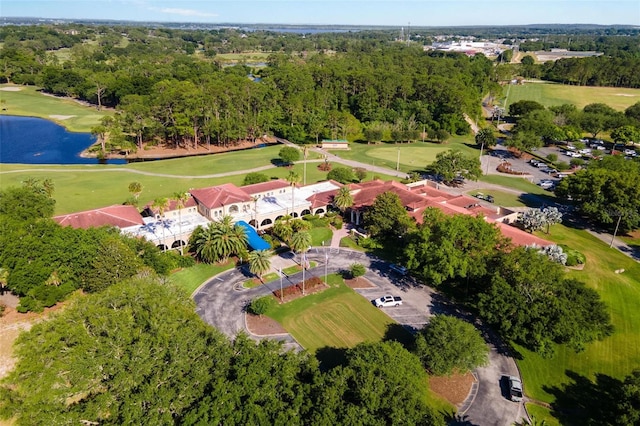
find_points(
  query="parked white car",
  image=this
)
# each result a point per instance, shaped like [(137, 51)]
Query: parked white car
[(515, 389), (387, 301)]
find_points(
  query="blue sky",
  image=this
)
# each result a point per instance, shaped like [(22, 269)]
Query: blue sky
[(344, 12)]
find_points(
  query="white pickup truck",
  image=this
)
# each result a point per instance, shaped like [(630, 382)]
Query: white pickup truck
[(386, 301)]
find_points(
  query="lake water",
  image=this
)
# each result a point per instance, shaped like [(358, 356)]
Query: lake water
[(29, 140)]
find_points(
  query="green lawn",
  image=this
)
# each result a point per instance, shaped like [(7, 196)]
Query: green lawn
[(414, 156), (189, 279), (618, 354), (337, 317), (29, 102), (540, 414), (549, 94), (320, 235), (80, 187)]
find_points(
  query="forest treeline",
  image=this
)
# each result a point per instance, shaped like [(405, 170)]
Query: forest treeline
[(168, 86)]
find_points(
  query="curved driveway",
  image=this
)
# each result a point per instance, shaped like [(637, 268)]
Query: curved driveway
[(221, 302)]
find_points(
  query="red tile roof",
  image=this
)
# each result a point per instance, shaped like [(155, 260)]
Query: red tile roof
[(173, 205), (117, 215), (271, 185), (417, 199), (221, 195), (519, 237)]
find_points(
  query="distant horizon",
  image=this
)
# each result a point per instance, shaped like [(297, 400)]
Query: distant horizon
[(385, 13), (285, 24)]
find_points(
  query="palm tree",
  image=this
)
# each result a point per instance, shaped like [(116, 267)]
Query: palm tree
[(293, 178), (220, 240), (259, 262), (161, 204), (135, 188), (181, 199), (343, 199), (300, 243)]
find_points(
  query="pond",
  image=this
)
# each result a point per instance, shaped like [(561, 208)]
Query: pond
[(29, 140)]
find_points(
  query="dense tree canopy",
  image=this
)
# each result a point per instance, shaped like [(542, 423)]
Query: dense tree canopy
[(448, 344), (607, 191), (452, 163), (47, 262), (136, 353), (387, 219)]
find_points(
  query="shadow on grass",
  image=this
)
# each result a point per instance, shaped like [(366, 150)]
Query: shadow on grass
[(401, 334), (537, 200), (584, 402), (330, 357)]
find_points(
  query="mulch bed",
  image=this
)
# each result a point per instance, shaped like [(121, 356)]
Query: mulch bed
[(262, 325), (454, 388), (359, 282)]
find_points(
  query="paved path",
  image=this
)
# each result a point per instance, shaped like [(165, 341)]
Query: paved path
[(221, 302), (632, 252)]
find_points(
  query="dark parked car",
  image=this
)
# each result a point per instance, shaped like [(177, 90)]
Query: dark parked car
[(481, 196)]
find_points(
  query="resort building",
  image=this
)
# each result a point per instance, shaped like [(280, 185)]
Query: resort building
[(257, 207)]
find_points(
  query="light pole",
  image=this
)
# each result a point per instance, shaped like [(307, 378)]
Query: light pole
[(616, 230), (326, 264), (281, 295), (304, 260), (398, 161)]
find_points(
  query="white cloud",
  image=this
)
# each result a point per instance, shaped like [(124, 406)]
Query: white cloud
[(186, 12)]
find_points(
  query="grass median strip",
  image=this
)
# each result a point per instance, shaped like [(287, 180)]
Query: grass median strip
[(337, 317)]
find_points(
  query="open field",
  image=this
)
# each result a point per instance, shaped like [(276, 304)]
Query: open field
[(29, 102), (414, 156), (618, 354), (79, 187), (245, 56), (337, 317), (549, 94)]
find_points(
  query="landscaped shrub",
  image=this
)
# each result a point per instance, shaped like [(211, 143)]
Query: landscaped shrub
[(336, 222), (261, 305), (357, 270), (562, 165), (317, 221), (274, 243), (505, 167), (325, 167), (574, 257), (2, 308)]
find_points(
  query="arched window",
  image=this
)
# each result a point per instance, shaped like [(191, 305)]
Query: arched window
[(233, 209), (266, 222)]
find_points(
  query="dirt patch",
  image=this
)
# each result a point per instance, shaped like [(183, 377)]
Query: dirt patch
[(262, 325), (11, 89), (359, 282), (61, 117), (454, 389), (12, 323)]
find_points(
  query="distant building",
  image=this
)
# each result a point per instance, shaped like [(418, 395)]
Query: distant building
[(335, 144)]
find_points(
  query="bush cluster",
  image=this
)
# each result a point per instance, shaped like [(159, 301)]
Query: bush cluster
[(309, 284), (325, 167)]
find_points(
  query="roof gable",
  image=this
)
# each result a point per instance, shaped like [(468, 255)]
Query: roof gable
[(117, 215)]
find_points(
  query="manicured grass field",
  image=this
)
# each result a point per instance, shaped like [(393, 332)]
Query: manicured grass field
[(337, 317), (414, 156), (549, 94), (618, 354), (189, 279), (80, 188), (29, 102)]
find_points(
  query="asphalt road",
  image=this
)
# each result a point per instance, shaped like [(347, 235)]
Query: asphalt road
[(221, 302)]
